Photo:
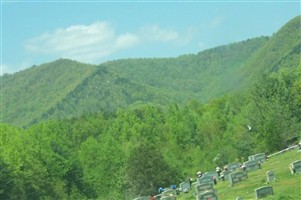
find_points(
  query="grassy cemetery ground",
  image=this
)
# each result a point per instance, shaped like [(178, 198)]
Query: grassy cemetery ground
[(287, 186)]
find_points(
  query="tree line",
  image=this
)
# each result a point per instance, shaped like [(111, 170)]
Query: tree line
[(133, 151)]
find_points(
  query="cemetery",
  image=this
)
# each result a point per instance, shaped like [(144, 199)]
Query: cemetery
[(295, 167), (261, 157), (207, 195), (203, 187), (270, 176), (252, 165), (263, 192), (211, 174), (237, 177), (233, 166), (205, 179), (259, 181), (185, 186)]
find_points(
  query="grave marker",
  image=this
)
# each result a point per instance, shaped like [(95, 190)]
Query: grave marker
[(252, 165), (233, 166), (261, 157), (226, 174), (204, 187), (210, 174), (236, 177), (270, 176), (185, 186), (207, 196), (205, 179), (263, 192), (295, 167)]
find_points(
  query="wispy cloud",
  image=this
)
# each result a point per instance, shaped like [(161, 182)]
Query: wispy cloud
[(81, 41), (215, 22), (93, 42), (155, 33)]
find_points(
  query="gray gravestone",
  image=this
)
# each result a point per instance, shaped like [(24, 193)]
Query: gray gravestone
[(261, 157), (206, 196), (226, 174), (210, 174), (252, 165), (203, 187), (205, 179), (185, 186), (233, 166), (236, 177), (270, 176), (263, 192), (238, 198), (295, 167)]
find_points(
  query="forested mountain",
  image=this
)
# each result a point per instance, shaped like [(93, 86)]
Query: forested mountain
[(123, 128), (282, 51), (28, 94), (65, 88)]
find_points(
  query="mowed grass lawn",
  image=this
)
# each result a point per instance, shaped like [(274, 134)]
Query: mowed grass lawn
[(287, 186)]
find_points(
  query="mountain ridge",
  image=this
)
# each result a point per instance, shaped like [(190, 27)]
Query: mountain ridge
[(73, 88)]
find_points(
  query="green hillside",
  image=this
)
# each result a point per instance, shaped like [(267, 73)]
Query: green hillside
[(104, 91), (282, 51), (206, 75), (122, 129), (66, 89), (26, 95)]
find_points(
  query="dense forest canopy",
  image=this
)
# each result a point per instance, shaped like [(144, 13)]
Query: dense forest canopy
[(133, 136)]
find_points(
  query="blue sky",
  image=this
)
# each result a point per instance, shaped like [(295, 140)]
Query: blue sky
[(36, 32)]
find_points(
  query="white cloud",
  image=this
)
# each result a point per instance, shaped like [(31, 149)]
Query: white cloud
[(126, 41), (77, 42), (91, 43), (155, 33)]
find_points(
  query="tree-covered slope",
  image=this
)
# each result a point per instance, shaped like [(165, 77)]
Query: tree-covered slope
[(281, 51), (206, 75), (132, 152), (66, 89), (104, 91), (27, 94)]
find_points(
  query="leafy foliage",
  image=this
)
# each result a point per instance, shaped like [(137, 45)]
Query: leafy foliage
[(135, 146)]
